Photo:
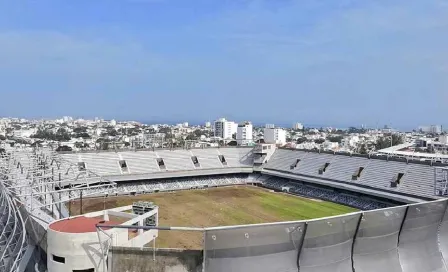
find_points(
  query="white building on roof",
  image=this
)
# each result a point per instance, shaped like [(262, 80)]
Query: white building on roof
[(244, 133)]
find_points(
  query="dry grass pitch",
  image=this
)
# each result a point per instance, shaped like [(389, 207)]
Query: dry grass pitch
[(218, 207)]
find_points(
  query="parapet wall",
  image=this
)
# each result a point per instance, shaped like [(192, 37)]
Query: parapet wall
[(410, 238), (166, 260)]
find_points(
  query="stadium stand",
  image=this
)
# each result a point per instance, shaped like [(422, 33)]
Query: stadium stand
[(139, 162), (294, 187), (145, 162), (208, 158), (409, 178)]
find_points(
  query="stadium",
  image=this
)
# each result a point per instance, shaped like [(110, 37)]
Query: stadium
[(256, 208)]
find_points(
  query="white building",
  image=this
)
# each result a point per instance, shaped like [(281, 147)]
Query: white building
[(208, 124), (185, 124), (269, 126), (244, 133), (436, 129), (224, 129), (113, 122), (298, 126), (275, 136), (74, 243)]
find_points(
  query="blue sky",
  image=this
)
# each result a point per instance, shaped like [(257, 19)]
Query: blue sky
[(324, 62)]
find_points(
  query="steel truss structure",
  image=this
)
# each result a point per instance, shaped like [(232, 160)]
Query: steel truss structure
[(34, 185)]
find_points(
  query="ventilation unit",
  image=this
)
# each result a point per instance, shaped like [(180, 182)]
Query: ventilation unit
[(161, 164), (81, 166), (399, 177), (294, 165), (195, 161), (123, 166), (357, 174), (222, 159), (324, 168)]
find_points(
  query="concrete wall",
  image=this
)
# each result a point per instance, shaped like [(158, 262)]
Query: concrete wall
[(80, 250), (167, 260)]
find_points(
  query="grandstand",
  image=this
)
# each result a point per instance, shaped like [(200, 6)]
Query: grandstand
[(391, 177), (386, 235)]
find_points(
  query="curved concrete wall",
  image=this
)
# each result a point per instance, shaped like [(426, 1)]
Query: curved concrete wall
[(80, 250), (411, 238)]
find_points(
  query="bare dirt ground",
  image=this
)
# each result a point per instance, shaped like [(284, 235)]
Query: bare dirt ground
[(217, 207)]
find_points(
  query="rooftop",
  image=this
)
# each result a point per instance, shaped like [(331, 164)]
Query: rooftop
[(80, 224)]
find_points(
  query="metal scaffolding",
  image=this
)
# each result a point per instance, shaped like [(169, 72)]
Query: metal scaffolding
[(34, 185)]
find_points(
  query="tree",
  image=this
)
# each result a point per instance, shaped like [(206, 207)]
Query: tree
[(80, 130), (301, 140), (319, 141), (363, 149), (37, 144), (388, 141), (83, 135), (2, 150), (232, 143), (2, 138), (335, 139), (63, 148), (356, 130)]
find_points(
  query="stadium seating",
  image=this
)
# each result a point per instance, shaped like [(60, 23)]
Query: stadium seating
[(208, 158), (140, 162), (290, 186), (343, 169), (311, 164), (142, 187), (102, 163), (177, 159), (237, 157), (417, 179)]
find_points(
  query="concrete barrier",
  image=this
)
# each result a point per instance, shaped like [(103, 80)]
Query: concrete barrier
[(123, 259)]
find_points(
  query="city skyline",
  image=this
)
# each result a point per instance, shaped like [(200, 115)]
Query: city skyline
[(322, 63)]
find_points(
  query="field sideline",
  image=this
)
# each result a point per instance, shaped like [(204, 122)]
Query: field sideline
[(222, 206)]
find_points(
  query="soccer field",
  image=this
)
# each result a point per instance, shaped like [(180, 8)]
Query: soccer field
[(222, 206)]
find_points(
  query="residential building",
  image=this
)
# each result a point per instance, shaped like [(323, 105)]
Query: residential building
[(269, 126), (435, 129), (274, 136), (298, 126), (244, 133), (224, 129)]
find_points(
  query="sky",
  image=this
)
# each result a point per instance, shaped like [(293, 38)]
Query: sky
[(338, 63)]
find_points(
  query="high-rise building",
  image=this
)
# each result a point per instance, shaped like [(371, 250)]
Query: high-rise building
[(244, 133), (224, 129), (208, 124), (298, 126), (269, 126), (275, 136), (436, 129)]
